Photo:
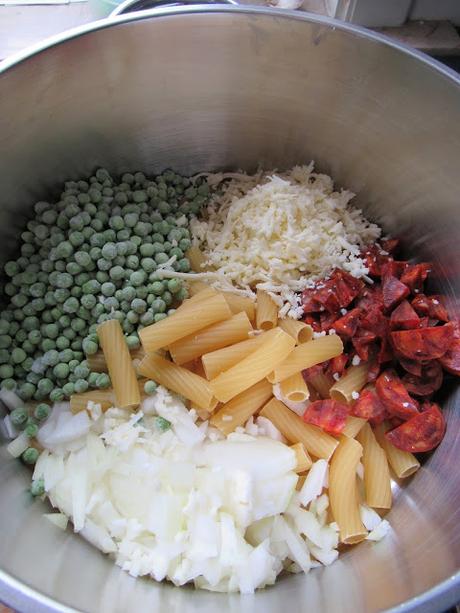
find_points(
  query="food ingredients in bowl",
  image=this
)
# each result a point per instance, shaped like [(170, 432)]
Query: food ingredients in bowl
[(224, 442)]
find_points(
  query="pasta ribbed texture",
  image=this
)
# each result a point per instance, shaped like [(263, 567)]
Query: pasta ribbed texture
[(315, 441), (196, 316), (403, 463), (306, 355), (97, 363), (267, 311), (178, 379), (221, 360), (240, 303), (79, 402), (343, 494), (119, 364), (376, 472), (353, 425), (209, 339), (303, 460), (294, 388), (353, 380), (240, 408), (275, 347), (299, 330)]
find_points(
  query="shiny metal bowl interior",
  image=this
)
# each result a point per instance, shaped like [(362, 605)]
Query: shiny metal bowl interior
[(213, 88)]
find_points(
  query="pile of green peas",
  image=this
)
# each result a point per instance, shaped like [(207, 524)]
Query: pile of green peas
[(29, 423), (89, 257)]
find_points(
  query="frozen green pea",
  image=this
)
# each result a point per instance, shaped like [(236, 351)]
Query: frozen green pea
[(63, 281), (132, 261), (174, 285), (29, 349), (68, 389), (31, 429), (159, 316), (117, 273), (30, 455), (42, 411), (167, 297), (78, 325), (158, 305), (183, 265), (102, 276), (30, 323), (57, 395), (69, 333), (95, 253), (4, 356), (97, 310), (73, 268), (19, 417), (82, 370), (44, 386), (150, 387), (83, 259), (131, 220), (89, 346), (18, 355), (109, 251), (88, 301), (66, 355), (51, 358), (161, 258), (11, 268), (19, 300), (62, 343), (108, 289), (51, 331), (81, 386), (38, 290), (133, 341), (4, 326), (125, 306), (8, 384), (132, 317), (103, 381), (147, 318), (26, 391), (111, 304), (71, 305), (92, 379), (138, 306), (34, 337), (142, 292), (10, 289), (104, 264), (137, 278), (64, 250), (47, 344), (157, 288), (148, 264), (147, 250), (37, 487), (21, 336), (61, 294)]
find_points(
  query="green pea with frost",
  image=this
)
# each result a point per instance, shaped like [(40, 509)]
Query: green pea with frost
[(159, 316), (21, 336), (161, 258), (89, 346), (150, 387), (42, 412), (26, 391), (138, 306), (71, 305), (148, 264), (44, 387), (61, 294), (108, 289), (91, 287), (63, 281), (157, 288), (102, 276), (51, 358), (132, 261), (69, 334), (30, 455), (81, 386), (4, 356), (147, 318), (68, 389), (29, 349), (6, 371), (73, 268), (76, 344), (117, 273), (8, 384), (104, 264), (103, 381), (10, 289), (82, 258), (47, 344), (57, 395), (137, 278), (123, 235), (97, 310), (132, 317), (18, 355), (109, 251), (111, 304), (78, 325), (142, 292)]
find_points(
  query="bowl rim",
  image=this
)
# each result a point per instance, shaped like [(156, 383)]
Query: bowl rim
[(26, 599)]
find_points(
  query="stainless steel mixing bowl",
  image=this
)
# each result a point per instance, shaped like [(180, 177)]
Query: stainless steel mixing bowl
[(224, 87)]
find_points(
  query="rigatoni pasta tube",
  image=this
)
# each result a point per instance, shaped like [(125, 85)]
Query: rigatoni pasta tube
[(238, 410), (119, 364), (97, 363), (376, 472), (343, 494), (315, 441), (178, 379), (266, 311), (303, 460), (208, 292), (197, 316), (403, 463), (294, 388), (322, 383), (306, 355), (353, 425), (79, 402), (209, 339), (221, 360), (274, 348), (299, 330), (352, 381), (239, 303)]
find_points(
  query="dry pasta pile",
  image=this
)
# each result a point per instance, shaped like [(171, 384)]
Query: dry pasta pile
[(237, 373)]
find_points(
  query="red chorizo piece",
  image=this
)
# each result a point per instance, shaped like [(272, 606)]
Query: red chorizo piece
[(394, 396), (423, 432), (370, 407), (329, 415), (404, 317), (431, 306), (450, 361), (423, 343), (429, 381)]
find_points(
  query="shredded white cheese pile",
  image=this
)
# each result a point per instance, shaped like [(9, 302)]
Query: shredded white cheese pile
[(281, 233)]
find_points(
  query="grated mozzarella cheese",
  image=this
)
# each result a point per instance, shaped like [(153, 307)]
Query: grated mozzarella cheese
[(281, 233)]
